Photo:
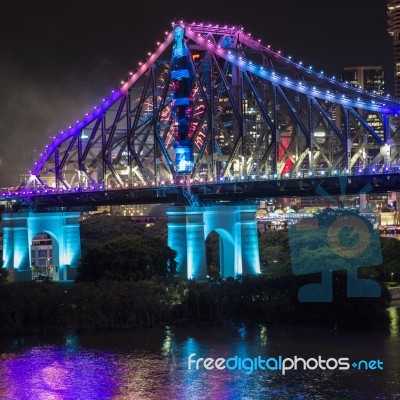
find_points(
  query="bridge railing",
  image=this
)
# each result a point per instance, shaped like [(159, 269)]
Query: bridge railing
[(187, 182)]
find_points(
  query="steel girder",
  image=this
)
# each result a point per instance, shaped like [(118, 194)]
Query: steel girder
[(255, 112)]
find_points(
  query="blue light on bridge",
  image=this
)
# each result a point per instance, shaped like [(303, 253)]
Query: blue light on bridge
[(184, 158), (188, 228), (181, 75)]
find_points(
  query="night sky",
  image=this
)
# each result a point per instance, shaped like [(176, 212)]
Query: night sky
[(59, 58)]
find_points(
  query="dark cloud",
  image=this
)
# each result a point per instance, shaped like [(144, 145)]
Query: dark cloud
[(57, 59)]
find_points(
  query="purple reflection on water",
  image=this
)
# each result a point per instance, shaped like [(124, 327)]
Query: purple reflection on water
[(51, 373)]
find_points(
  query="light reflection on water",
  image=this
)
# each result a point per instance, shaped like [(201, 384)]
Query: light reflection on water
[(152, 364), (50, 373), (394, 321)]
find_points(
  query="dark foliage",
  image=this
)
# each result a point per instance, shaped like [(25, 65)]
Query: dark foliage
[(111, 305), (3, 273), (213, 254), (275, 253), (128, 258), (101, 228)]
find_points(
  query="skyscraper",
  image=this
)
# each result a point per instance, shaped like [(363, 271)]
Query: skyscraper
[(394, 30), (371, 79)]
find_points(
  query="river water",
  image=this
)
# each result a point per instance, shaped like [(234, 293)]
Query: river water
[(153, 364)]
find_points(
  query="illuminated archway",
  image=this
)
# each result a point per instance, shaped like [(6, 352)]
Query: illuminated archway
[(213, 255), (45, 256), (188, 227), (225, 250), (20, 228)]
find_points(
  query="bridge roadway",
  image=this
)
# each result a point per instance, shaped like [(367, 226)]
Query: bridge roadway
[(241, 191)]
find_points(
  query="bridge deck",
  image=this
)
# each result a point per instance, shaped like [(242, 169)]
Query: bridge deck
[(240, 191)]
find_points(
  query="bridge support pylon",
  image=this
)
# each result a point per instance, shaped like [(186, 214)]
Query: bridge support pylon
[(188, 228), (20, 228)]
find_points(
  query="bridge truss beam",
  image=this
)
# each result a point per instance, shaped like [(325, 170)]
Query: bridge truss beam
[(254, 112)]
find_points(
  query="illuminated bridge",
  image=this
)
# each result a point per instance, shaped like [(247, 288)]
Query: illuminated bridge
[(251, 110), (215, 118)]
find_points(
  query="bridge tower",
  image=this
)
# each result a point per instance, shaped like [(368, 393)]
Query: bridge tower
[(188, 228), (20, 228)]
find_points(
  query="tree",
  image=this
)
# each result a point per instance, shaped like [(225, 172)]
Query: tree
[(101, 228), (158, 230), (213, 254), (3, 273), (390, 248), (128, 258), (275, 253)]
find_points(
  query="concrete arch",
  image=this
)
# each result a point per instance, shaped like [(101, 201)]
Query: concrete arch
[(55, 252), (226, 252), (19, 230), (188, 228)]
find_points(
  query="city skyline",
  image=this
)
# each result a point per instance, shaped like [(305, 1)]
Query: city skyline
[(59, 61)]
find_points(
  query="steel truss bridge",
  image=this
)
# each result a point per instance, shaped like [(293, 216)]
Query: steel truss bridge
[(258, 120), (226, 192)]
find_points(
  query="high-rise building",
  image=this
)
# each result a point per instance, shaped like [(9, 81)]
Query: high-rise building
[(371, 79), (394, 31)]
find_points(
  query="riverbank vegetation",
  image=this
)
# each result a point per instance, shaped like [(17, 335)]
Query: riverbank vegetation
[(127, 281), (110, 305)]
